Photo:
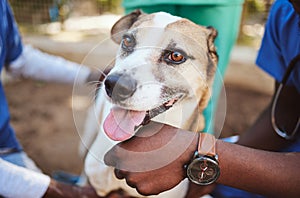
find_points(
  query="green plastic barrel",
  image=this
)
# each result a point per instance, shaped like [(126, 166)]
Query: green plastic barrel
[(224, 15)]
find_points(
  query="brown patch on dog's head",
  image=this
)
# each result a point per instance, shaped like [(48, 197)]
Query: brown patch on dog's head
[(205, 54), (197, 32), (124, 24)]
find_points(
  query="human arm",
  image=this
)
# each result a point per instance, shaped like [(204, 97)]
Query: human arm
[(23, 60), (32, 63), (249, 169), (62, 190), (268, 173), (16, 181)]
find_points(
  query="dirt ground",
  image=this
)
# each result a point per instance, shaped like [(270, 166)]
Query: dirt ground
[(41, 114)]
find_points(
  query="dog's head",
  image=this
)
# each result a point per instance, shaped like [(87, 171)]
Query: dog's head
[(163, 61)]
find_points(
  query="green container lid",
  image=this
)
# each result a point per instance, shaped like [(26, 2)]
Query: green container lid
[(135, 3)]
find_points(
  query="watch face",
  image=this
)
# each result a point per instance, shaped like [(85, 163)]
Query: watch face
[(203, 170)]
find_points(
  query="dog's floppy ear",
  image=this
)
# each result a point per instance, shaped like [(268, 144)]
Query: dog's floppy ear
[(211, 67), (212, 52), (213, 33), (124, 24)]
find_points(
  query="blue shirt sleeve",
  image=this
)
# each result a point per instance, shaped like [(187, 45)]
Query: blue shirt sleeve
[(10, 49), (13, 38), (281, 42)]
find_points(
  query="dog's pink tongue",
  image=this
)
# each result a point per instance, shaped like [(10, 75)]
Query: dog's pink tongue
[(120, 123)]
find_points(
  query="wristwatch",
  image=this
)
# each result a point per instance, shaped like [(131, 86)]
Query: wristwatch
[(204, 167)]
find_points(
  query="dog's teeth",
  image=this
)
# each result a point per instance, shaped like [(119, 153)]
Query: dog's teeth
[(170, 103), (158, 110)]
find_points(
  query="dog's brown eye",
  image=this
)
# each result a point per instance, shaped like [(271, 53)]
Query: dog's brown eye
[(177, 57), (128, 43)]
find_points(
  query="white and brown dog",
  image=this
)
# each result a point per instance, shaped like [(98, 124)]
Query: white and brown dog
[(163, 72)]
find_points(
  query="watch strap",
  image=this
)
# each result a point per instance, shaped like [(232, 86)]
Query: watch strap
[(207, 144)]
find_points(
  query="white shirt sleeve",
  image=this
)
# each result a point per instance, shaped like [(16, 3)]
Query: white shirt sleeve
[(16, 181), (35, 64)]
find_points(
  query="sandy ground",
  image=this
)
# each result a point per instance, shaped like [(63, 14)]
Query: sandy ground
[(43, 119)]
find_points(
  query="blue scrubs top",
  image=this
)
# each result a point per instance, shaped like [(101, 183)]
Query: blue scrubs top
[(10, 49), (281, 42)]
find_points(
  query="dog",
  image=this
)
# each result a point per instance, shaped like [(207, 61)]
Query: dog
[(163, 72)]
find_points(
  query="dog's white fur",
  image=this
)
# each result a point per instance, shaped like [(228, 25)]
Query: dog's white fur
[(193, 78)]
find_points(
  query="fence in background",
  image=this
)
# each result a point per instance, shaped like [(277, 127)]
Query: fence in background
[(33, 12)]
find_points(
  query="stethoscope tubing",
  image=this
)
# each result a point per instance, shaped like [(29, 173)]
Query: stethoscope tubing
[(285, 78)]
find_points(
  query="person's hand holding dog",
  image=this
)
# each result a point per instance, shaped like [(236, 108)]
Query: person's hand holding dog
[(155, 137), (168, 142), (62, 190), (164, 143)]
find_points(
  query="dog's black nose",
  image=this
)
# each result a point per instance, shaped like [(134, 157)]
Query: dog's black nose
[(119, 87)]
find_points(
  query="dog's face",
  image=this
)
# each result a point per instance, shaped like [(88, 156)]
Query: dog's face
[(162, 60)]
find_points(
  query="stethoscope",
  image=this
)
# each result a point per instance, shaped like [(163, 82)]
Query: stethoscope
[(286, 76)]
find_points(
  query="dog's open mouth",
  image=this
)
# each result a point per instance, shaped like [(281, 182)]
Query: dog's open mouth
[(121, 124)]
